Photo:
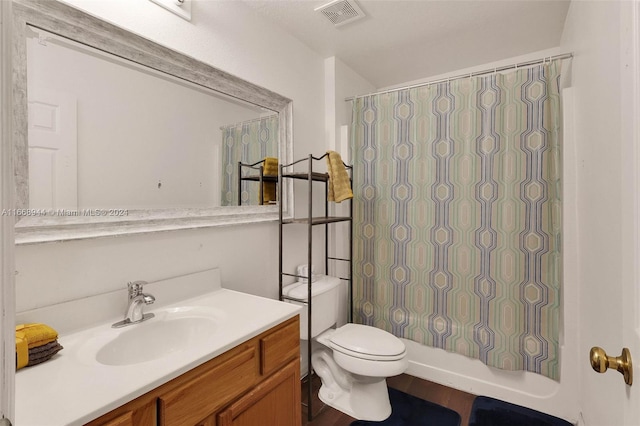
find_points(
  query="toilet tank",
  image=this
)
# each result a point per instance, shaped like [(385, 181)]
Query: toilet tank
[(324, 308)]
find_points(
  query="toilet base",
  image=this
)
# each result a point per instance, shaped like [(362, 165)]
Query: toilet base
[(353, 383), (368, 399)]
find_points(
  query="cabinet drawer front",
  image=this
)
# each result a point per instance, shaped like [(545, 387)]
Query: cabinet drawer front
[(139, 412), (124, 420), (280, 347), (216, 387)]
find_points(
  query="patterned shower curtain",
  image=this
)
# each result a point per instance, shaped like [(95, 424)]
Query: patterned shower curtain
[(249, 142), (457, 216)]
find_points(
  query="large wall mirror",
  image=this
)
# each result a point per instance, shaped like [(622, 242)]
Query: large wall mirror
[(115, 134)]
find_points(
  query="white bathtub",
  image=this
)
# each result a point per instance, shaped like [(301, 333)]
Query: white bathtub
[(470, 375)]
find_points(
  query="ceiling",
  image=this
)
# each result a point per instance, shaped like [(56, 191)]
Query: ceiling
[(400, 41)]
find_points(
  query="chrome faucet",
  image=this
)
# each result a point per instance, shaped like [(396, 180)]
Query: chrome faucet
[(137, 300)]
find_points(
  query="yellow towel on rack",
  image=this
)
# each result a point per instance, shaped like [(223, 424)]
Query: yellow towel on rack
[(339, 183), (270, 168), (29, 336)]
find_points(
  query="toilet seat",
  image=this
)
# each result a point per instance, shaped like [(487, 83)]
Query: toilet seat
[(366, 342), (369, 357)]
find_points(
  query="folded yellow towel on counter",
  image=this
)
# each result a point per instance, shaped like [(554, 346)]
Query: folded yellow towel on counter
[(270, 168), (31, 336), (36, 334), (339, 183)]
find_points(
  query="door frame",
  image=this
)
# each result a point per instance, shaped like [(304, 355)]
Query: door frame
[(630, 70), (7, 221)]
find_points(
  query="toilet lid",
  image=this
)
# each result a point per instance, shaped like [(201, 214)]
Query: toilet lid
[(367, 342)]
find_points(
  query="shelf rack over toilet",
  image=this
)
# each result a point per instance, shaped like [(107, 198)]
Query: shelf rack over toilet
[(286, 171)]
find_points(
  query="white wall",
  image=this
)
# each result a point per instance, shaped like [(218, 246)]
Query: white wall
[(341, 82), (594, 31), (229, 36), (484, 67)]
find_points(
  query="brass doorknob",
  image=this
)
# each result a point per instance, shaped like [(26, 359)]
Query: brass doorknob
[(600, 362)]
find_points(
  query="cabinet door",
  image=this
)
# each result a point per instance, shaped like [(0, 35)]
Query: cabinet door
[(275, 401), (201, 396), (139, 412)]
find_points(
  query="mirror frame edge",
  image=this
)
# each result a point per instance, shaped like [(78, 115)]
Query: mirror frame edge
[(72, 23)]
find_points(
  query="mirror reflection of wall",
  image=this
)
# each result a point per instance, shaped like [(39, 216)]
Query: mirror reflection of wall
[(105, 133)]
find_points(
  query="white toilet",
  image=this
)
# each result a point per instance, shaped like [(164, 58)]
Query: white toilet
[(354, 360)]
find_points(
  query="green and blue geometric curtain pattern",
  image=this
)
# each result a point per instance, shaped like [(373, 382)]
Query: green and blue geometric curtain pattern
[(457, 216), (249, 142)]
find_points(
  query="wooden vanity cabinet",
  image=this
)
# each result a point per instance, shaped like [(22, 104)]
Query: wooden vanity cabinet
[(255, 383), (139, 412)]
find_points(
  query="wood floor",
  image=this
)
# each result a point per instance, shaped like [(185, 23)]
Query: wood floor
[(447, 397)]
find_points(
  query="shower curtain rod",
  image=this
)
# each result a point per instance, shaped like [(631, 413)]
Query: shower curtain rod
[(247, 121), (472, 74)]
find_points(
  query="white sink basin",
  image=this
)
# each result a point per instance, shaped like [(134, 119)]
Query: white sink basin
[(171, 330)]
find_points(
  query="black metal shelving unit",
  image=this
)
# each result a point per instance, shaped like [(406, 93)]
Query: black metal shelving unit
[(311, 221), (260, 177)]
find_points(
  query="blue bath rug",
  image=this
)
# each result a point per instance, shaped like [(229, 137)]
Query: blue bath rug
[(408, 410), (492, 412)]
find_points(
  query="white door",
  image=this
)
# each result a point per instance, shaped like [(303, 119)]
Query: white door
[(611, 315), (604, 38), (53, 155)]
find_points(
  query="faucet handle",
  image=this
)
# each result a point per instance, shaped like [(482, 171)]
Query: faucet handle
[(135, 288)]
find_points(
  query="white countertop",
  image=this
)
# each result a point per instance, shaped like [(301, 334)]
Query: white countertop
[(72, 388)]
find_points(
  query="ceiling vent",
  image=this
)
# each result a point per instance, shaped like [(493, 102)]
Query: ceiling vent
[(341, 12)]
